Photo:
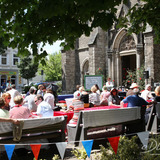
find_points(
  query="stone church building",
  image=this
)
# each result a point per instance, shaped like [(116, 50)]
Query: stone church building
[(112, 51)]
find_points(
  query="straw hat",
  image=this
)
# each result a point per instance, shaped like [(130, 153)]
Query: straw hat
[(134, 85)]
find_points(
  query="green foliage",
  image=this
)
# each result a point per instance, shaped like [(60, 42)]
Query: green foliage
[(135, 77), (56, 157), (142, 14), (25, 23), (2, 47), (59, 84), (80, 153), (128, 149), (27, 68), (99, 71), (52, 67)]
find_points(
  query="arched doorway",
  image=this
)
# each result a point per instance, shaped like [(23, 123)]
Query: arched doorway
[(127, 50), (124, 56)]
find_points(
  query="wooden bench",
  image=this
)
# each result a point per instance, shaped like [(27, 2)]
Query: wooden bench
[(99, 118), (153, 124), (33, 129)]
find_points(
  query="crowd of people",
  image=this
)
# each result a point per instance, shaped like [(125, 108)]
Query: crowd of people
[(13, 105), (41, 103), (109, 97)]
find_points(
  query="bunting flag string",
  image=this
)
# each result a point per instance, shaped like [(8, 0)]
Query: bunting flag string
[(61, 148), (35, 149), (88, 146), (143, 136), (114, 143), (9, 150)]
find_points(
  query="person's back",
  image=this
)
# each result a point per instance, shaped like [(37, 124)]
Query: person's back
[(13, 92), (44, 109), (3, 112), (30, 102), (49, 97), (134, 101), (19, 111)]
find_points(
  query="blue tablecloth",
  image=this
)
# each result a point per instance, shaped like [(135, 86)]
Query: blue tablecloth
[(63, 97)]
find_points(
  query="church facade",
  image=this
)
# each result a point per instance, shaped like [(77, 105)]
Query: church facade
[(112, 52)]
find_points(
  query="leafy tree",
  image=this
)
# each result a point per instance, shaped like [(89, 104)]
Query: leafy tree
[(143, 13), (52, 69), (2, 47), (135, 77), (27, 68), (28, 23)]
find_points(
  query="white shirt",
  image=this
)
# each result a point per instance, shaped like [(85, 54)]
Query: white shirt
[(146, 95), (13, 92), (45, 109), (30, 102), (48, 97)]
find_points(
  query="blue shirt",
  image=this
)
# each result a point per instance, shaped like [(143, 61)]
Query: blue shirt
[(134, 100)]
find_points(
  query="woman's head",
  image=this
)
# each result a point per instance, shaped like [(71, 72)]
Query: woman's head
[(114, 91), (2, 103), (157, 91), (49, 90), (18, 99), (7, 97), (104, 88), (81, 89), (40, 87), (93, 89)]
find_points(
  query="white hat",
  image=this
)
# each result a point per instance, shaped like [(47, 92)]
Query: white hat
[(134, 85), (148, 85), (33, 88), (77, 95)]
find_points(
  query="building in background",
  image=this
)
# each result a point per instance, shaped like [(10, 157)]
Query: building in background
[(114, 52), (8, 68)]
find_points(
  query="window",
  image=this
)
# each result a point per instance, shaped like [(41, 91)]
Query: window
[(15, 59), (4, 59)]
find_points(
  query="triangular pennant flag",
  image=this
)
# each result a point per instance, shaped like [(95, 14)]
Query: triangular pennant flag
[(143, 136), (9, 149), (35, 149), (114, 143), (61, 148), (88, 146)]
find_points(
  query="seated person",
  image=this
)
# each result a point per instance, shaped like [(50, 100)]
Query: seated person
[(109, 83), (94, 98), (40, 90), (84, 97), (146, 94), (156, 99), (29, 100), (77, 91), (104, 97), (19, 111), (44, 109), (49, 97), (7, 98), (98, 90), (77, 106), (3, 112), (113, 99), (136, 101)]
